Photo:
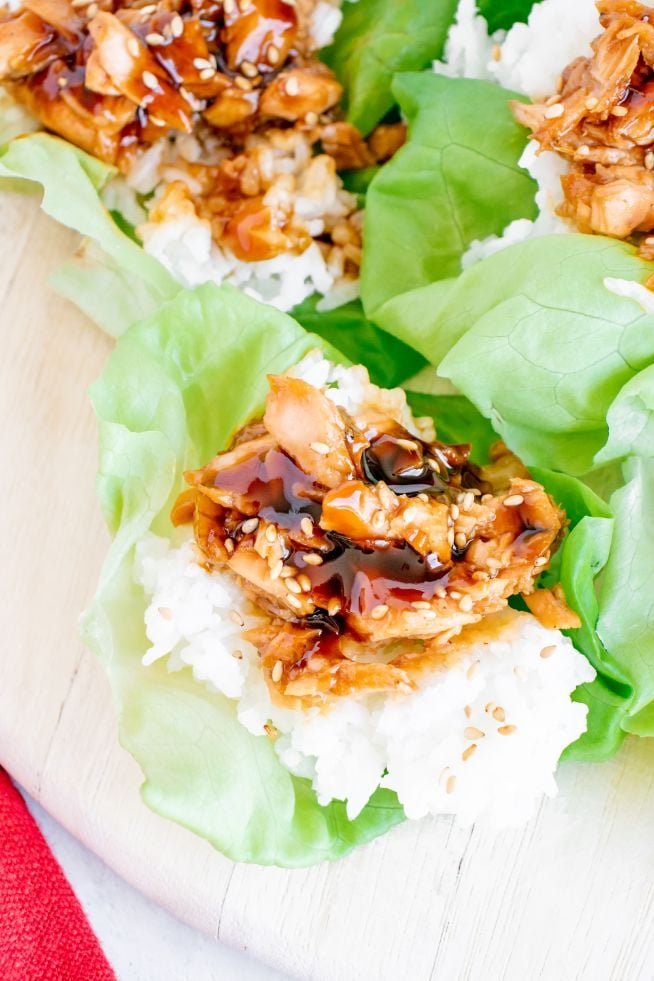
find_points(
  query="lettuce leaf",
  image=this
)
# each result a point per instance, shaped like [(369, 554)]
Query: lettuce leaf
[(631, 419), (112, 279), (378, 38), (626, 620), (175, 388), (502, 14), (388, 360), (455, 180), (556, 346)]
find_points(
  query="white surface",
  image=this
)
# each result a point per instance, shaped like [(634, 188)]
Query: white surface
[(142, 942)]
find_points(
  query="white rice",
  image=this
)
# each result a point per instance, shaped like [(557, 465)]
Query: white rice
[(410, 743), (528, 59)]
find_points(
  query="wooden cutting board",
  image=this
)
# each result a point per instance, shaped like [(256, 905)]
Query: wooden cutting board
[(568, 897)]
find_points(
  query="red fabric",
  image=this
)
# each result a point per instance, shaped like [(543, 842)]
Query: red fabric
[(44, 934)]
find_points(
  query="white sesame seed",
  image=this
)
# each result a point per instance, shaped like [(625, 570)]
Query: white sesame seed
[(305, 582), (379, 612), (244, 5), (454, 511), (156, 122), (441, 592), (499, 714), (465, 604), (286, 572), (467, 753), (149, 9), (92, 10), (468, 501), (154, 39), (177, 26), (236, 618), (450, 537), (243, 83), (553, 112), (467, 711), (150, 80), (506, 730), (472, 732), (62, 82), (276, 570), (513, 501), (271, 534), (206, 74), (229, 546), (249, 526), (548, 651), (454, 594), (450, 785), (541, 560), (433, 465), (312, 558), (277, 671), (248, 69), (321, 448), (270, 730), (649, 160), (238, 655), (421, 605), (407, 444), (619, 111), (294, 601), (200, 63), (423, 498), (460, 540), (591, 102), (429, 614), (378, 520), (472, 670), (273, 54), (306, 526), (228, 6), (292, 584), (292, 86), (583, 150)]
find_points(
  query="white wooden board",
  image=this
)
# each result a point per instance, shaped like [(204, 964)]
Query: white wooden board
[(569, 897)]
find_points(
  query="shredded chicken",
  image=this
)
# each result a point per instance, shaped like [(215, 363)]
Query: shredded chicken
[(601, 120), (368, 547)]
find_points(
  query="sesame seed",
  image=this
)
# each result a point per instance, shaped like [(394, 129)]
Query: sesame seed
[(270, 730), (450, 785), (583, 150), (467, 711), (333, 607), (312, 558), (541, 560), (429, 614), (465, 604), (306, 526), (321, 448), (553, 112), (292, 86), (228, 6), (489, 706), (156, 122), (496, 52), (206, 74), (276, 570), (249, 526), (472, 732), (92, 10), (591, 102), (271, 534), (165, 612), (506, 730), (467, 753), (499, 714), (244, 5), (421, 605), (454, 511), (150, 80), (200, 63), (311, 119), (292, 584), (294, 601), (154, 39), (423, 498), (450, 537), (238, 655), (407, 444), (62, 82), (277, 672), (236, 618), (286, 572), (433, 465), (441, 592), (242, 83), (229, 546), (619, 111), (305, 582), (454, 594), (379, 612), (248, 69), (548, 651), (460, 540), (480, 576), (378, 520), (468, 501), (273, 54), (649, 160), (149, 9), (513, 501), (472, 670), (177, 26)]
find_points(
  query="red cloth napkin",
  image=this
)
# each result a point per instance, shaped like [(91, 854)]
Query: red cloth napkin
[(44, 934)]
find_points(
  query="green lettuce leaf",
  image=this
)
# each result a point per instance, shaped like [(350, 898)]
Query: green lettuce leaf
[(457, 421), (631, 419), (453, 181), (378, 38), (388, 360), (626, 620), (112, 279), (174, 390), (555, 345), (502, 14)]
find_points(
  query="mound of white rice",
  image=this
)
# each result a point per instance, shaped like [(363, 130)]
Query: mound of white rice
[(528, 59), (480, 737)]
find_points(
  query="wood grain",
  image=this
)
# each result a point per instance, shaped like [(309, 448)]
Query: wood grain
[(571, 896)]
